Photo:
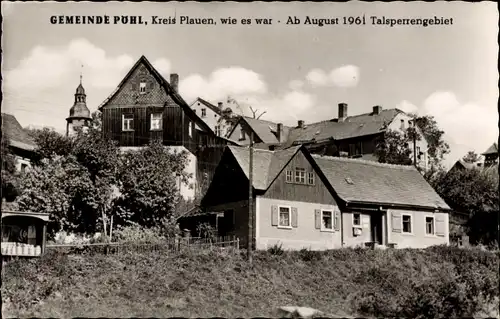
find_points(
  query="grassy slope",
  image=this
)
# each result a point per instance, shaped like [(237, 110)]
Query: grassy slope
[(207, 284)]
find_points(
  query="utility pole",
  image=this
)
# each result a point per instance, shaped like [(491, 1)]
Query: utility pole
[(250, 202)]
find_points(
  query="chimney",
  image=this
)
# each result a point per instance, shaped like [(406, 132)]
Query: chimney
[(219, 104), (300, 123), (279, 132), (377, 109), (342, 111), (174, 81)]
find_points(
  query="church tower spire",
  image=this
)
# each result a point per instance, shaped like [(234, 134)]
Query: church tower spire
[(79, 114)]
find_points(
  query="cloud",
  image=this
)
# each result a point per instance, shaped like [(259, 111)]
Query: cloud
[(345, 76), (163, 66), (296, 84), (221, 83), (407, 107), (39, 90)]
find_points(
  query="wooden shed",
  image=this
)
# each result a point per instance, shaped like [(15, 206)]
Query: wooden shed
[(23, 233)]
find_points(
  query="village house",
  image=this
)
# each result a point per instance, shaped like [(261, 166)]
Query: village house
[(491, 155), (218, 118), (145, 107), (21, 145), (304, 200), (354, 136)]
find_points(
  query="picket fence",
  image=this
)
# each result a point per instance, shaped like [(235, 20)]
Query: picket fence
[(169, 245)]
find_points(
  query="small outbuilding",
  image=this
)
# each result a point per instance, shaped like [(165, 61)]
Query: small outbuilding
[(23, 233)]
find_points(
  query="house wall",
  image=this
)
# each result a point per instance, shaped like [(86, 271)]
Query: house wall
[(211, 118), (186, 191), (235, 134), (418, 239), (22, 162), (349, 238), (305, 235)]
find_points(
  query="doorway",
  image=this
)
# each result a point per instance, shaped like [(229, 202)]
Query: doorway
[(376, 228)]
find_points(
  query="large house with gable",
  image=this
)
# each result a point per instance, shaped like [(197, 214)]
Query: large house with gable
[(145, 107), (20, 143), (354, 136), (303, 200)]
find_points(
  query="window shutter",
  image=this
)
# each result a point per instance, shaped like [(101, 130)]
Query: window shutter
[(317, 219), (336, 219), (294, 217), (274, 215), (440, 226), (396, 222)]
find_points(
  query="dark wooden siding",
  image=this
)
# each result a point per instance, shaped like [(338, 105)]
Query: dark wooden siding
[(281, 189)]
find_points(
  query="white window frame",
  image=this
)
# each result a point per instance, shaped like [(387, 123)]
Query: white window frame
[(203, 112), (142, 87), (129, 121), (360, 222), (310, 178), (433, 225), (159, 121), (289, 176), (332, 216), (300, 179), (289, 217), (411, 224)]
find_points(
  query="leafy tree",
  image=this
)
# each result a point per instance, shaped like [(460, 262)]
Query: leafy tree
[(437, 147), (10, 182), (50, 143), (148, 185), (394, 147), (97, 120), (475, 193), (471, 157)]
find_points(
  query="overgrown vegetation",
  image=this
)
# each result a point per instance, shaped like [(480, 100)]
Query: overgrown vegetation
[(436, 282)]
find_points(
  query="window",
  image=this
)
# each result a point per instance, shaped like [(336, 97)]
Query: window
[(190, 129), (356, 219), (327, 220), (300, 175), (127, 122), (429, 225), (142, 87), (156, 121), (23, 167), (242, 134), (310, 178), (406, 220), (285, 217), (289, 176), (218, 130), (203, 112), (402, 124)]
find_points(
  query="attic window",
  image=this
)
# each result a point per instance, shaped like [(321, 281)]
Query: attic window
[(203, 112), (349, 181), (142, 87)]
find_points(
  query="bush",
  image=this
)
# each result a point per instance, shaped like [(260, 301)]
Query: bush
[(138, 234), (276, 249), (310, 255)]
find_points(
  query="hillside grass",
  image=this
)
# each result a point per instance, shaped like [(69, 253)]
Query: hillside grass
[(436, 282)]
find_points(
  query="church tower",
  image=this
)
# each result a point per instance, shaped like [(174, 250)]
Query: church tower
[(79, 114)]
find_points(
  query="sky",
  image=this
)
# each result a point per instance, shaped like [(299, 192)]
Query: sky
[(291, 71)]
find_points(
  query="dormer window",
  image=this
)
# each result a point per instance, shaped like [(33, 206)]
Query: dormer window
[(142, 87)]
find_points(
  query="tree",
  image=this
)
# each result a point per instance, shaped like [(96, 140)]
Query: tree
[(10, 181), (471, 157), (475, 193), (437, 147), (394, 147), (97, 120), (254, 112), (50, 143), (148, 185)]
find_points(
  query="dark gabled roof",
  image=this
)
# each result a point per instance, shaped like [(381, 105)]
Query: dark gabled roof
[(366, 182), (18, 137), (167, 87), (266, 164), (214, 108), (352, 126), (493, 149), (264, 130)]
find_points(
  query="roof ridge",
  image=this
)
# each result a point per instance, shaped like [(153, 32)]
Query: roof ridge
[(362, 161)]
